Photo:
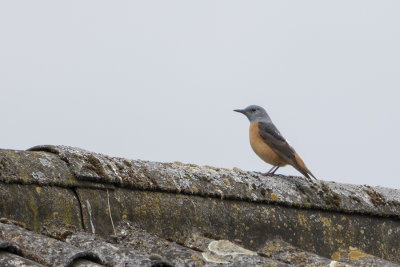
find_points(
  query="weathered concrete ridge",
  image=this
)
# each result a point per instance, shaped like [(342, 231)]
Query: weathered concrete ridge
[(280, 220), (228, 184)]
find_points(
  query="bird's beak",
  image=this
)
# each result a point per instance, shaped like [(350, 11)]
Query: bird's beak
[(239, 110)]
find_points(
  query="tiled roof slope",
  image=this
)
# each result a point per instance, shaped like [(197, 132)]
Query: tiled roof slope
[(64, 206)]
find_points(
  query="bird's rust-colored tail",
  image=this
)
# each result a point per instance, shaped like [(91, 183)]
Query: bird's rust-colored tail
[(301, 167)]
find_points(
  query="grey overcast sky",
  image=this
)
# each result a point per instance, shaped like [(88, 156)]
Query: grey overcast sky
[(158, 80)]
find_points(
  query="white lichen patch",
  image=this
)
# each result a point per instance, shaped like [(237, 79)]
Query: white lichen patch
[(227, 248), (339, 264), (212, 257), (254, 197), (39, 176), (45, 162)]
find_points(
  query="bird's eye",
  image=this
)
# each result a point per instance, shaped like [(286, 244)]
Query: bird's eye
[(253, 110)]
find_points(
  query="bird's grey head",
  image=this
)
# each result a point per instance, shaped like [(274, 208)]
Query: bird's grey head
[(255, 113)]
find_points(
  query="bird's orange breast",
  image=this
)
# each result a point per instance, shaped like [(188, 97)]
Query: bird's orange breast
[(262, 149)]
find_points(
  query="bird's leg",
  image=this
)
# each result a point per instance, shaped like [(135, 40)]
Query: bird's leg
[(273, 167), (273, 172)]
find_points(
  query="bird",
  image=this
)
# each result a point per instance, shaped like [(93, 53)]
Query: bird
[(269, 144)]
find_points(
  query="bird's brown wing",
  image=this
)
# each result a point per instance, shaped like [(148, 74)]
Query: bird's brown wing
[(270, 134)]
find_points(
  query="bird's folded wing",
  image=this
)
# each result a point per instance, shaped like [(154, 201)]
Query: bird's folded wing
[(270, 134)]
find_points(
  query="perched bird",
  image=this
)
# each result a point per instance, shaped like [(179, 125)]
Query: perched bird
[(269, 144)]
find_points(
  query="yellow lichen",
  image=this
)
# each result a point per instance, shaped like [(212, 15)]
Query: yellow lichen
[(356, 254), (336, 256), (274, 197), (35, 210), (195, 189), (302, 220), (326, 222), (125, 214)]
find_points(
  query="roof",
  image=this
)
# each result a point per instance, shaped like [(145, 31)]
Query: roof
[(64, 206)]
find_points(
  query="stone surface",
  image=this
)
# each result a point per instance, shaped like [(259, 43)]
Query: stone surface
[(42, 249), (177, 217), (37, 205), (71, 206), (11, 260), (38, 168), (229, 184)]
